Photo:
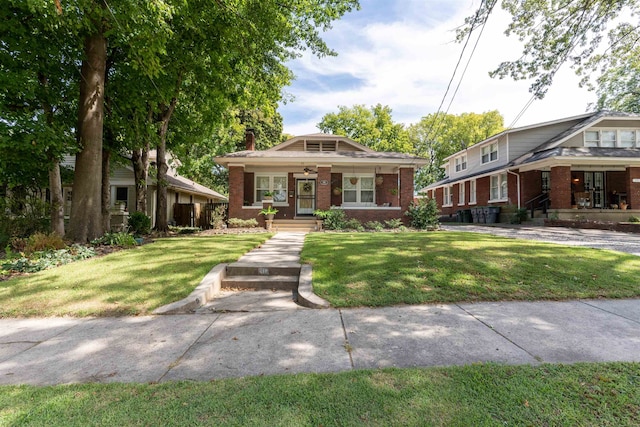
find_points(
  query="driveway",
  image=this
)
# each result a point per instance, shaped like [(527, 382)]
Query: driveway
[(598, 239)]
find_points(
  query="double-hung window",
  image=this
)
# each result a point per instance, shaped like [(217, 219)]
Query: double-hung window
[(447, 196), (358, 189), (461, 163), (490, 153), (275, 184), (627, 138), (461, 194), (472, 191), (499, 187)]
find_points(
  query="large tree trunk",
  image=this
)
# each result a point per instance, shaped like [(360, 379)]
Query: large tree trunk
[(86, 216), (140, 161), (57, 202), (162, 223), (106, 191)]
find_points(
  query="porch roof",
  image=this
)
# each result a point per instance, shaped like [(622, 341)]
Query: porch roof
[(323, 157), (184, 184)]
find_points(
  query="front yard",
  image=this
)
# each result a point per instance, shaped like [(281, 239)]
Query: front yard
[(379, 269)]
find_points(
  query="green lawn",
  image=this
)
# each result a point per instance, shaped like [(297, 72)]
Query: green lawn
[(479, 395), (129, 282), (379, 269)]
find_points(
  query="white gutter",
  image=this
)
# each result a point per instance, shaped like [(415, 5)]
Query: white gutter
[(518, 181)]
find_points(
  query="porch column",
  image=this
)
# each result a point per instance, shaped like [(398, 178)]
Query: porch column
[(560, 194), (236, 190), (406, 187), (633, 187), (323, 187)]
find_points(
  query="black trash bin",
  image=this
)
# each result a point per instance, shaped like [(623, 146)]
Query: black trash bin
[(481, 215), (459, 215), (474, 215), (492, 213), (466, 215)]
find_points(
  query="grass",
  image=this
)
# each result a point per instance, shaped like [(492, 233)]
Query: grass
[(479, 395), (130, 282), (380, 269)]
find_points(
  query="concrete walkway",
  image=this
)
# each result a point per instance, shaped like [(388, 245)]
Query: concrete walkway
[(206, 347)]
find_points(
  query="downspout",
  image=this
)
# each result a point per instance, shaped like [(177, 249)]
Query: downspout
[(518, 184)]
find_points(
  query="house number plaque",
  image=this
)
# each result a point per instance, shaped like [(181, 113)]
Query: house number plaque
[(324, 182)]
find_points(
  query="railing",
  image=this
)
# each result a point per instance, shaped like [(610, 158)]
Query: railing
[(540, 201)]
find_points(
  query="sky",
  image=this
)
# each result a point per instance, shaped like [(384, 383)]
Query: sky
[(402, 53)]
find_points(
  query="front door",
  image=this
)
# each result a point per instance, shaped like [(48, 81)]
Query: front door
[(305, 196)]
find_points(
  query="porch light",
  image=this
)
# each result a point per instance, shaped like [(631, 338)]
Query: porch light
[(307, 170)]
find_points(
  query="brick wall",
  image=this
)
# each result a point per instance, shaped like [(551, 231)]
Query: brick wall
[(336, 181), (384, 191), (249, 186), (236, 191), (560, 194), (483, 188), (323, 192), (633, 188), (531, 183)]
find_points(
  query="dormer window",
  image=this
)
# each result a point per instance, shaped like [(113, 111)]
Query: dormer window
[(461, 163), (490, 153)]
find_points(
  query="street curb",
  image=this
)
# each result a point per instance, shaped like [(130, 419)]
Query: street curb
[(203, 293), (306, 297)]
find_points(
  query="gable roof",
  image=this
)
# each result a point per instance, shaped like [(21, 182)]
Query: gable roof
[(321, 137)]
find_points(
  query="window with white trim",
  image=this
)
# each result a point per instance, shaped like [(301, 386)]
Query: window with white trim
[(612, 138), (276, 184), (490, 153), (461, 194), (499, 187), (472, 191), (447, 196), (461, 163), (358, 190)]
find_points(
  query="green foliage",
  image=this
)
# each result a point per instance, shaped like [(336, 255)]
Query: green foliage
[(353, 224), (243, 223), (22, 216), (185, 230), (218, 216), (519, 216), (373, 127), (269, 210), (139, 223), (634, 219), (424, 215), (43, 260), (374, 225), (393, 223), (334, 219), (121, 238)]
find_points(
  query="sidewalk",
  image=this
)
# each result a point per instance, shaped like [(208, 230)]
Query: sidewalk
[(203, 347)]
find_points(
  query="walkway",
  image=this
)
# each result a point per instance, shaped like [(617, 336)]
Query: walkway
[(598, 239), (206, 347)]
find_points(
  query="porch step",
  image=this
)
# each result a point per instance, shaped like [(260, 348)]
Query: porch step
[(293, 225), (285, 283), (253, 269)]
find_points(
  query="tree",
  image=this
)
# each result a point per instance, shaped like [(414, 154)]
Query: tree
[(436, 137), (372, 127), (555, 32)]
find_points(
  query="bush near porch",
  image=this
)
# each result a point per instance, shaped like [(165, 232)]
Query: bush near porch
[(371, 269)]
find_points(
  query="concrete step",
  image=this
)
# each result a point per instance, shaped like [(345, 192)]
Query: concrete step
[(256, 269), (294, 225), (285, 283)]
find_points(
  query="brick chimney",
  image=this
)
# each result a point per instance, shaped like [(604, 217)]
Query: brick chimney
[(250, 139)]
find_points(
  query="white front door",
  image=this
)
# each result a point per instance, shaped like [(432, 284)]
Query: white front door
[(305, 196)]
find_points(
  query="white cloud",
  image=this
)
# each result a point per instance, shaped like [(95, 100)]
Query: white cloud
[(407, 64)]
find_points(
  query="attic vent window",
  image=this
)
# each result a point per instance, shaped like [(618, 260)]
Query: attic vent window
[(313, 146), (321, 146), (329, 146)]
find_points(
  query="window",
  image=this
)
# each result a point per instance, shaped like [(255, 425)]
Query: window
[(608, 138), (122, 196), (472, 191), (591, 138), (461, 163), (499, 187), (490, 153), (546, 181), (627, 138), (276, 184), (358, 189), (447, 196), (461, 194)]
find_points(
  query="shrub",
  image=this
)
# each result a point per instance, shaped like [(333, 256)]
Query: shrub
[(393, 223), (634, 219), (243, 223), (115, 239), (217, 216), (520, 215), (374, 225), (353, 224), (334, 219), (139, 223), (424, 214), (42, 260), (41, 241)]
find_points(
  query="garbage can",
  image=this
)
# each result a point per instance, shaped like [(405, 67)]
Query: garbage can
[(492, 213), (466, 215), (481, 215), (474, 215), (459, 215)]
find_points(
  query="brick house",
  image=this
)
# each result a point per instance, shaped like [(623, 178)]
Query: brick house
[(319, 171), (589, 162)]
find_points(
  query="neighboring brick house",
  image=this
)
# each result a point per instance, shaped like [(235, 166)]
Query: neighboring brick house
[(320, 171), (590, 162)]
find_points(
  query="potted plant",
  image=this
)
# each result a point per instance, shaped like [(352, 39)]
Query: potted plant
[(269, 212), (353, 180), (267, 195), (623, 205), (337, 191), (393, 191)]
